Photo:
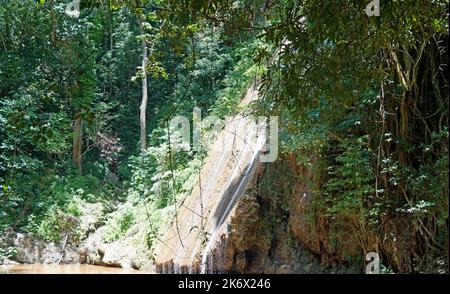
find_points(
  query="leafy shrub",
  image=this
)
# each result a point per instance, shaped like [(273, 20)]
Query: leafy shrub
[(58, 224), (118, 223), (351, 179), (7, 252)]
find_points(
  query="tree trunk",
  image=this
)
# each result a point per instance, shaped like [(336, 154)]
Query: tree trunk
[(111, 47), (143, 107), (53, 20), (403, 129), (78, 140)]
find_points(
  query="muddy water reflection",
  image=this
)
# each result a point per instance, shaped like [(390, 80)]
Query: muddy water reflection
[(65, 269)]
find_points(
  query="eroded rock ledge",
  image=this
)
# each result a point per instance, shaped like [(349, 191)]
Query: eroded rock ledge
[(91, 251)]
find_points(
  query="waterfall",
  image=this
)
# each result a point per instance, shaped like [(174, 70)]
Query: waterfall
[(236, 195), (186, 246)]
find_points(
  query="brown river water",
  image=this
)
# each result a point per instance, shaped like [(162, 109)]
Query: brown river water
[(65, 269)]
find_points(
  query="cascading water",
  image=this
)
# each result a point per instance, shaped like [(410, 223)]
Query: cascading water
[(236, 195), (186, 243), (184, 247)]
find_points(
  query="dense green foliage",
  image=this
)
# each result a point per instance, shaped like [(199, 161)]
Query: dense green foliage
[(362, 99), (366, 98), (56, 69), (379, 100)]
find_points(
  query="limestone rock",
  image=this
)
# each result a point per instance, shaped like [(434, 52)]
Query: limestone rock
[(116, 254), (33, 250)]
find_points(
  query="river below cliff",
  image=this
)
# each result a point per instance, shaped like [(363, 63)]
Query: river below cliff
[(65, 269)]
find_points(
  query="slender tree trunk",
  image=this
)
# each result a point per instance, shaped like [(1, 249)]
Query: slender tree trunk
[(78, 140), (111, 45), (53, 20), (403, 129), (143, 107)]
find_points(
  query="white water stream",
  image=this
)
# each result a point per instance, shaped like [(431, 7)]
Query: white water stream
[(188, 241), (243, 180)]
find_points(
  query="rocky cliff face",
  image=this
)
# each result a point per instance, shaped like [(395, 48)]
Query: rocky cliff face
[(275, 230), (333, 241), (278, 228)]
